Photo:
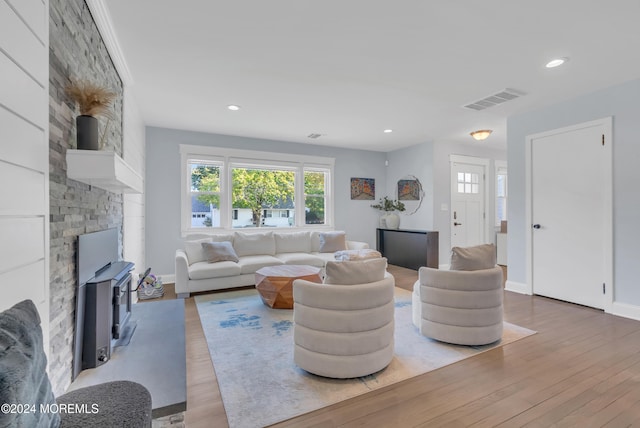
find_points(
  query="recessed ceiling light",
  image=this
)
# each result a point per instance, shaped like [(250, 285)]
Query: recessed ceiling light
[(556, 62), (233, 107), (388, 131)]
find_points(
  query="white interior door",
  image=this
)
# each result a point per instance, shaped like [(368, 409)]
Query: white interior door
[(467, 204), (569, 215)]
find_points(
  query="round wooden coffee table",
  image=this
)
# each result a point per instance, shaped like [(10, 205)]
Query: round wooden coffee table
[(275, 283)]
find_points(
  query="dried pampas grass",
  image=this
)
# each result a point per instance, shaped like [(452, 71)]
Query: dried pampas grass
[(93, 100)]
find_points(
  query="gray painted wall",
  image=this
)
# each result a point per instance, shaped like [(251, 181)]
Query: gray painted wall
[(417, 161), (621, 102), (162, 234)]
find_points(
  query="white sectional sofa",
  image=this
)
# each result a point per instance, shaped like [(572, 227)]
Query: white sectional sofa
[(254, 250)]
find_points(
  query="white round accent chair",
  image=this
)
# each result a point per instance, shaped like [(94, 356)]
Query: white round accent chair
[(344, 328), (463, 305)]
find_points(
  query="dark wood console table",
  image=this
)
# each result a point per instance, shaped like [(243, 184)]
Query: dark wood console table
[(408, 248)]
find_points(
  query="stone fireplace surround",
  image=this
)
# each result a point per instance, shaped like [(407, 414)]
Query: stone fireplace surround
[(76, 50)]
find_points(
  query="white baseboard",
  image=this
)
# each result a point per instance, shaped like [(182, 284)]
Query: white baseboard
[(625, 310), (168, 279), (517, 287)]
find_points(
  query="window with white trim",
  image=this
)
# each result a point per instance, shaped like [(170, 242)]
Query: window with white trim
[(228, 188)]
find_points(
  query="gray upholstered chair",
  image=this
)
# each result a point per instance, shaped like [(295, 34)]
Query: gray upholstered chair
[(344, 330), (24, 380), (462, 306)]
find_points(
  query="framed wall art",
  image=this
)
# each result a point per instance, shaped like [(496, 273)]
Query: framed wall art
[(363, 189)]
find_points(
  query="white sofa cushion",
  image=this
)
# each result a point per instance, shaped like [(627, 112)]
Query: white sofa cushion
[(250, 264), (326, 257), (301, 259), (194, 251), (296, 242), (355, 272), (251, 244), (205, 270)]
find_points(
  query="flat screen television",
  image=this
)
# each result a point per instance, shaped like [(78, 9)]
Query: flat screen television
[(95, 250)]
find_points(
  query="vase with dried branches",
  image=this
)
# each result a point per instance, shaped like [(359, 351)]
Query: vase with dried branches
[(92, 100)]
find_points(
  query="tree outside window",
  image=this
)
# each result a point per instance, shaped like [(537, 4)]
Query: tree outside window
[(205, 195), (261, 189), (314, 197)]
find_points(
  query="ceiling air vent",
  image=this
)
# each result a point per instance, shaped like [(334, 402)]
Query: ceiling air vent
[(314, 136), (507, 94)]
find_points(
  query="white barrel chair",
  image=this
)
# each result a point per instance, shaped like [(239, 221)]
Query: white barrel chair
[(343, 331), (460, 307)]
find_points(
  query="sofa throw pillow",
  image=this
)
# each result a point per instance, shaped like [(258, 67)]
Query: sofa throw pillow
[(330, 242), (294, 242), (23, 368), (351, 255), (355, 272), (473, 258), (219, 252), (254, 244)]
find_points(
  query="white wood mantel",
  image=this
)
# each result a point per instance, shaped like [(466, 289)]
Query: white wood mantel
[(103, 169)]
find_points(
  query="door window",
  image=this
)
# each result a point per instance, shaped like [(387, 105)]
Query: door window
[(468, 182)]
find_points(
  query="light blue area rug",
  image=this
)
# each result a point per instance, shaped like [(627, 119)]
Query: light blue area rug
[(251, 346)]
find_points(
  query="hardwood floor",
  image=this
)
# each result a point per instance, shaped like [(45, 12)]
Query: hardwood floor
[(581, 369)]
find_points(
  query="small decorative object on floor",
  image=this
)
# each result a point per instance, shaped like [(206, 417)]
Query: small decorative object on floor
[(149, 286)]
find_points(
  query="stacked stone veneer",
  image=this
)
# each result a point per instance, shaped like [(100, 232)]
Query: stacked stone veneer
[(76, 52)]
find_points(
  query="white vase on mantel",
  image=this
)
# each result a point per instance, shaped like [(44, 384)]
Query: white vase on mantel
[(392, 220)]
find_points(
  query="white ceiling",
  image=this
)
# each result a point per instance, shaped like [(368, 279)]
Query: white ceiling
[(348, 69)]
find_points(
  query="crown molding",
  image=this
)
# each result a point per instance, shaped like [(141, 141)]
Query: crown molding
[(102, 18)]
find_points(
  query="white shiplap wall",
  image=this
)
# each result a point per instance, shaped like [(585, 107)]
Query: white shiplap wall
[(134, 155), (24, 155)]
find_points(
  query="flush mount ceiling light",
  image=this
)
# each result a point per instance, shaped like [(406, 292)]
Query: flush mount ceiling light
[(388, 131), (556, 62), (233, 107), (481, 134)]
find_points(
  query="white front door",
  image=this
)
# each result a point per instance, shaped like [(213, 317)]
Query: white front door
[(569, 214), (467, 203)]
